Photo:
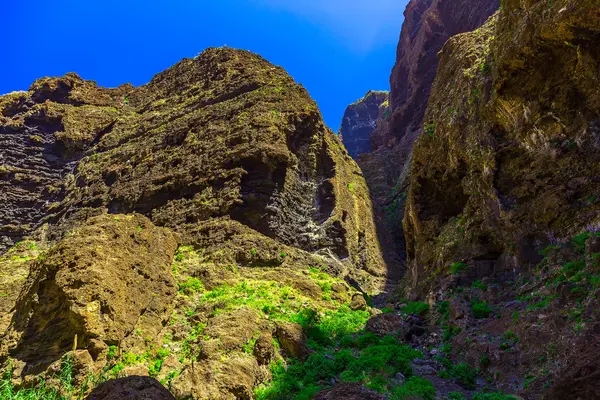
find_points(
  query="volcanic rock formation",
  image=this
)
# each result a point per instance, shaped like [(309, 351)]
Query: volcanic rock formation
[(502, 213), (428, 24), (173, 223), (360, 121)]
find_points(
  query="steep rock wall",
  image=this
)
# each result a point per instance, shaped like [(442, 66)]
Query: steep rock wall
[(428, 24), (226, 135), (508, 162), (360, 121)]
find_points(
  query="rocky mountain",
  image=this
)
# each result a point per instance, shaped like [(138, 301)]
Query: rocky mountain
[(205, 236), (218, 179), (428, 24), (360, 121)]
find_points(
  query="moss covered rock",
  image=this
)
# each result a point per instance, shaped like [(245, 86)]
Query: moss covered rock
[(225, 136), (508, 162)]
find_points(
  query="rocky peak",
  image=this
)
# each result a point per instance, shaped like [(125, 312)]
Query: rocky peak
[(218, 176), (428, 24), (360, 121)]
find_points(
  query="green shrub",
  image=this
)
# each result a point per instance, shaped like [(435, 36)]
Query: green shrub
[(429, 129), (443, 308), (484, 361), (416, 308), (458, 267), (466, 374), (480, 309), (479, 285), (493, 396), (41, 391), (578, 241), (191, 285), (414, 388)]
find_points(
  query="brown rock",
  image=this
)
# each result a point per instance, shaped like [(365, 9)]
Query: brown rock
[(131, 388), (358, 302), (239, 376), (223, 137), (427, 25), (502, 165), (264, 351), (387, 324), (96, 283), (578, 379), (348, 391), (292, 339), (233, 329)]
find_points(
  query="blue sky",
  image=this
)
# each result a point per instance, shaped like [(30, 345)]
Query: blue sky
[(338, 49)]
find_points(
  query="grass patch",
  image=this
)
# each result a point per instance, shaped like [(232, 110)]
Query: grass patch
[(362, 358)]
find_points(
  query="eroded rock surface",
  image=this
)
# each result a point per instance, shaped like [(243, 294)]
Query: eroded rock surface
[(174, 227), (510, 159), (131, 388), (428, 24), (101, 283), (225, 135), (360, 121)]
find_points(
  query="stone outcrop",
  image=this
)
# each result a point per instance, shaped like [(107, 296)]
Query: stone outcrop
[(223, 136), (428, 24), (360, 121), (131, 388), (169, 226), (42, 135), (104, 281), (508, 162)]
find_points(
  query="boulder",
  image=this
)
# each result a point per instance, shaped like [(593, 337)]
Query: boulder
[(348, 391), (100, 283), (131, 388), (292, 339)]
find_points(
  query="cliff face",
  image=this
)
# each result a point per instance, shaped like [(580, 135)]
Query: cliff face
[(508, 154), (226, 135), (502, 212), (360, 121), (428, 24), (175, 222)]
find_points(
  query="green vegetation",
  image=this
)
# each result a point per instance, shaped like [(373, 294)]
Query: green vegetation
[(429, 129), (458, 267), (354, 357), (191, 285), (493, 396), (480, 309), (479, 285), (509, 339), (462, 372), (414, 388), (578, 241), (42, 391), (416, 308)]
